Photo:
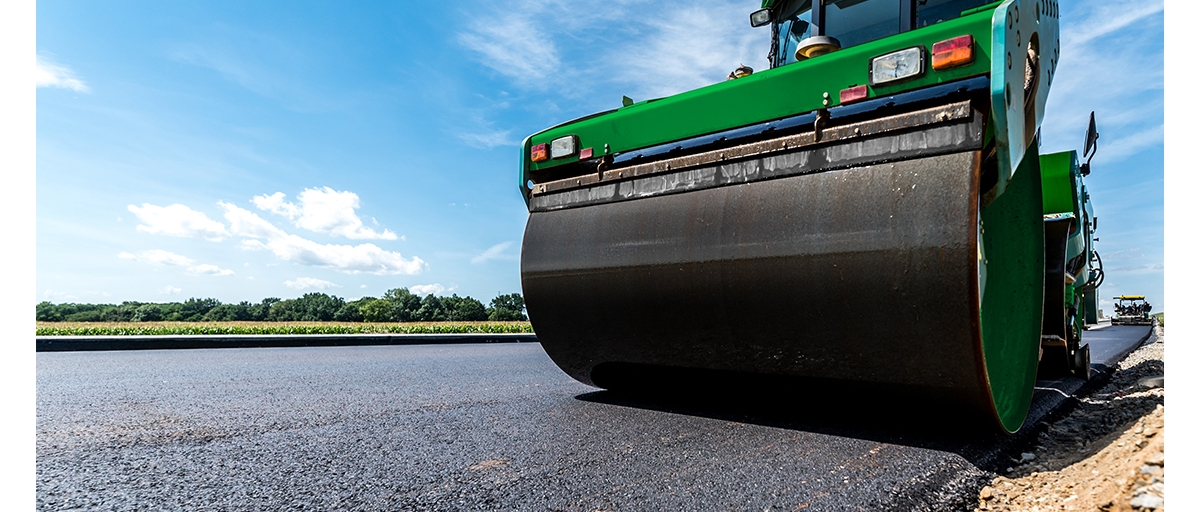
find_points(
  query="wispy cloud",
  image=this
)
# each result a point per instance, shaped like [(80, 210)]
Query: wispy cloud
[(492, 253), (512, 44), (1108, 17), (60, 296), (1107, 59), (170, 290), (51, 74), (323, 210), (489, 139), (178, 220), (1123, 254), (1124, 146), (264, 64), (310, 283), (1138, 269), (689, 47)]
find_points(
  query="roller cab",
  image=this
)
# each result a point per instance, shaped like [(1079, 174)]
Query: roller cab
[(866, 213)]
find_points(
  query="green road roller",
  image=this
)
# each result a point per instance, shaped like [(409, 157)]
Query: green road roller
[(870, 212)]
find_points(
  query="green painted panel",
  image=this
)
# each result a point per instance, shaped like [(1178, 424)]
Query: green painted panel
[(770, 94), (1011, 309), (1057, 189)]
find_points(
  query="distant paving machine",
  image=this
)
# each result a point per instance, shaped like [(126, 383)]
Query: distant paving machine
[(1132, 310), (871, 212)]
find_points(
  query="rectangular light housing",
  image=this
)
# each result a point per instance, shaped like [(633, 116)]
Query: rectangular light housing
[(760, 18), (538, 153), (562, 147), (953, 52), (898, 66)]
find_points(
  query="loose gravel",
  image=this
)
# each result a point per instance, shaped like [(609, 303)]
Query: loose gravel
[(1107, 454)]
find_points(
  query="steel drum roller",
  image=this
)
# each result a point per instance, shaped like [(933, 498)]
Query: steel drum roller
[(869, 274)]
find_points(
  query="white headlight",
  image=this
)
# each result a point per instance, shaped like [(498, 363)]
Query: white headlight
[(897, 66), (562, 146)]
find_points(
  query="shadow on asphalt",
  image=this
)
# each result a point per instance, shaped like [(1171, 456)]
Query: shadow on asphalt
[(894, 415), (917, 418)]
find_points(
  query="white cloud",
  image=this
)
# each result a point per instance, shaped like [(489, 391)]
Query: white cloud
[(161, 257), (170, 290), (50, 74), (245, 223), (177, 220), (310, 283), (158, 256), (323, 210), (350, 259), (492, 253), (430, 289), (209, 270), (274, 203)]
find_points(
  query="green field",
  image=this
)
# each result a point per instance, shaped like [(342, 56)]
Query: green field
[(183, 328)]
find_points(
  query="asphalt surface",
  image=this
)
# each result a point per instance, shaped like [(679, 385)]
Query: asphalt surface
[(470, 427), (1108, 342)]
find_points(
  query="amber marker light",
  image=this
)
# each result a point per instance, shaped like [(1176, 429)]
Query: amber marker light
[(539, 153), (953, 52), (853, 94)]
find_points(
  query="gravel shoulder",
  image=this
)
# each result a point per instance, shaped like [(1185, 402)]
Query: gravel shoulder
[(1106, 453)]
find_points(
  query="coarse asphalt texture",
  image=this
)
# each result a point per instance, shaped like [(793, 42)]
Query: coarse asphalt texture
[(470, 427)]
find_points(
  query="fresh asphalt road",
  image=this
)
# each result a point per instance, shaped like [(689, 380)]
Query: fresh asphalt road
[(460, 427), (1109, 343)]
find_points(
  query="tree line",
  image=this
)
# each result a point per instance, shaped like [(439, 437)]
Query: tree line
[(396, 305)]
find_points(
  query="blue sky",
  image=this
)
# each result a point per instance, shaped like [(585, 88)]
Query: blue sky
[(235, 151)]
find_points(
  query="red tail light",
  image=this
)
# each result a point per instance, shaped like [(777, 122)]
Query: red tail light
[(539, 153), (853, 94)]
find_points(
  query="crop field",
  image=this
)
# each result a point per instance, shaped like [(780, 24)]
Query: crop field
[(226, 328)]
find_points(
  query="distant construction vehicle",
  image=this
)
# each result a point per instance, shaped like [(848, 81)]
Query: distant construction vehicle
[(870, 211), (1131, 310)]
